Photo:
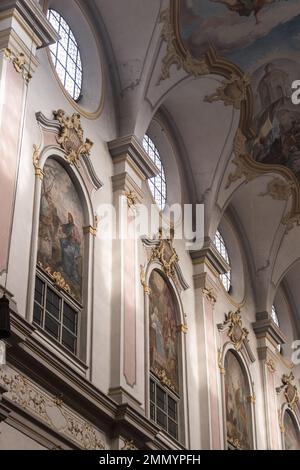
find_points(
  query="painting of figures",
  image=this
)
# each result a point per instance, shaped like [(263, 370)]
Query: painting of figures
[(163, 330), (233, 26), (291, 433), (238, 411), (261, 37), (60, 246)]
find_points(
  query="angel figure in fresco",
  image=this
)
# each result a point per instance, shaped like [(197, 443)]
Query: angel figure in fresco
[(70, 248), (156, 326), (246, 7)]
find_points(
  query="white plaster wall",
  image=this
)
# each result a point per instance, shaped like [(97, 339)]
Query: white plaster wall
[(45, 95)]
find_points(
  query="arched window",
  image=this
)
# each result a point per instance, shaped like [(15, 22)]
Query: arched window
[(164, 356), (274, 316), (58, 288), (221, 248), (275, 319), (291, 432), (238, 406), (157, 184), (66, 56)]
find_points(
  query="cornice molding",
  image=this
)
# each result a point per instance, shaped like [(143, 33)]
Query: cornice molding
[(129, 146), (266, 328), (210, 255), (30, 13)]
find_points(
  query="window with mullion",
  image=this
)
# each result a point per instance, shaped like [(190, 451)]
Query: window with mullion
[(65, 55), (157, 184), (53, 313), (163, 408), (221, 248)]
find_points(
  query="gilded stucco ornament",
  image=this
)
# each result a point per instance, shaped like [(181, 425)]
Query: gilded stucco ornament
[(183, 328), (92, 229), (190, 65), (290, 390), (57, 278), (161, 374), (71, 138), (271, 366), (146, 288), (50, 410), (210, 294), (128, 444), (235, 331), (278, 189), (233, 91), (131, 197), (220, 362), (166, 255), (19, 63), (240, 160), (234, 442), (36, 162)]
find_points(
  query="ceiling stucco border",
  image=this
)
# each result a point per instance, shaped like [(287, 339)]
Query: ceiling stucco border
[(241, 98)]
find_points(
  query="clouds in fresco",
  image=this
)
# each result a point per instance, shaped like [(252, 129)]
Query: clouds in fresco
[(229, 31)]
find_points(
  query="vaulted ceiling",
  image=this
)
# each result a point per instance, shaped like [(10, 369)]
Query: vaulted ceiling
[(136, 51)]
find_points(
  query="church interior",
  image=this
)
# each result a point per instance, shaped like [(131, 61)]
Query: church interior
[(116, 338)]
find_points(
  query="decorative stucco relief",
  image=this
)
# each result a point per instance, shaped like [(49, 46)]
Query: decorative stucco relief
[(51, 410)]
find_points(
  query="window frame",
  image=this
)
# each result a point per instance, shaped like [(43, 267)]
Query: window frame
[(157, 184), (221, 248), (54, 54), (170, 394), (274, 316), (64, 299)]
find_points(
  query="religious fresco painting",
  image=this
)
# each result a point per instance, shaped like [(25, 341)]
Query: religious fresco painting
[(238, 408), (291, 432), (60, 245), (163, 331), (261, 37)]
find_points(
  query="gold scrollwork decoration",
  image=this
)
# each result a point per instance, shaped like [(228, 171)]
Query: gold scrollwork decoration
[(183, 328), (146, 288), (271, 366), (28, 396), (92, 230), (220, 362), (36, 162), (57, 279), (161, 374), (252, 399), (190, 65), (131, 198), (166, 254), (19, 63), (236, 332), (278, 189), (71, 137), (235, 442), (290, 390), (210, 294), (240, 160), (128, 444), (233, 91)]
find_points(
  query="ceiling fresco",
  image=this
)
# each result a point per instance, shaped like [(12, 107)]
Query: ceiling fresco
[(262, 38)]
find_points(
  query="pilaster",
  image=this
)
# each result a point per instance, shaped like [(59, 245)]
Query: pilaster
[(23, 29), (207, 266), (131, 167), (269, 336)]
